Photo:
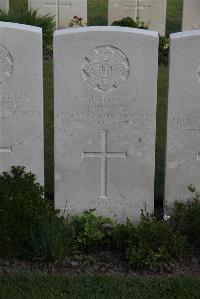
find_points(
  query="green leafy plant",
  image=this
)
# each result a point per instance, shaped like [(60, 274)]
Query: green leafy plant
[(163, 41), (129, 22), (149, 243), (22, 207), (90, 230), (51, 239), (163, 50), (185, 218), (31, 17)]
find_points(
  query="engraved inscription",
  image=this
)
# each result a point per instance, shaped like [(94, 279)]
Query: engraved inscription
[(6, 64), (104, 155), (105, 112), (105, 68), (16, 107)]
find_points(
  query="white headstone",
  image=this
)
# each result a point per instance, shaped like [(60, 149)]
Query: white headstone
[(151, 12), (105, 120), (183, 136), (63, 10), (191, 15), (21, 98), (4, 4)]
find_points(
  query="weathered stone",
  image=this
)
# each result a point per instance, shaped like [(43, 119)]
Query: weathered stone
[(151, 12), (191, 15), (4, 4), (21, 98), (183, 132), (105, 120), (63, 10)]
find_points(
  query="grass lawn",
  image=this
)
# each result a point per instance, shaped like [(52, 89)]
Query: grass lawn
[(18, 5), (97, 15), (174, 16), (97, 12), (86, 287)]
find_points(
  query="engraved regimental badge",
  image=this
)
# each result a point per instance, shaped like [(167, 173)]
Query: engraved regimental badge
[(105, 68), (6, 64)]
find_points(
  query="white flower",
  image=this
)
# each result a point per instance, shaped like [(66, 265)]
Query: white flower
[(166, 217)]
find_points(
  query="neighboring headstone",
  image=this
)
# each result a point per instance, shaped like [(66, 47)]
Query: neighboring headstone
[(191, 15), (21, 98), (183, 133), (151, 12), (105, 120), (63, 10), (4, 4)]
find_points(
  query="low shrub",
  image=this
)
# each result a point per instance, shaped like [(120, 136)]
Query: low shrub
[(31, 17), (22, 208), (51, 240), (163, 41), (163, 50), (129, 22), (185, 218), (149, 243), (89, 230)]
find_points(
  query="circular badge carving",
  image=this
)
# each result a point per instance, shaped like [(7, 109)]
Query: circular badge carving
[(6, 64), (105, 68)]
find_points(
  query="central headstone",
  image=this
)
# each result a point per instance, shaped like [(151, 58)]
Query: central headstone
[(105, 120), (63, 10), (21, 98), (151, 12)]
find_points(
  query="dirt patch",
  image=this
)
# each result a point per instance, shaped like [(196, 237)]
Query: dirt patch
[(106, 263)]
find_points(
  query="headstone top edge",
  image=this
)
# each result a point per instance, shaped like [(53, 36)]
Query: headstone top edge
[(20, 27), (184, 34), (106, 29)]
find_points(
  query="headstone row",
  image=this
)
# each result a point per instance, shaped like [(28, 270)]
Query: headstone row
[(105, 115), (151, 12)]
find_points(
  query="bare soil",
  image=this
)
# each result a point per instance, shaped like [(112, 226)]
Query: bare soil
[(103, 263)]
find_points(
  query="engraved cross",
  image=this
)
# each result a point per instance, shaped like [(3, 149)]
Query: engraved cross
[(5, 150), (58, 5), (104, 155), (137, 7)]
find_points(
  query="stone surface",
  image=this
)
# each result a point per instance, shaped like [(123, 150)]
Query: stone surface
[(151, 12), (191, 15), (105, 120), (183, 137), (4, 4), (63, 10), (21, 98)]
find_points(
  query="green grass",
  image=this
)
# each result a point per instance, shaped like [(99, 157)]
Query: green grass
[(174, 16), (97, 12), (18, 5), (161, 133), (49, 128), (88, 287)]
